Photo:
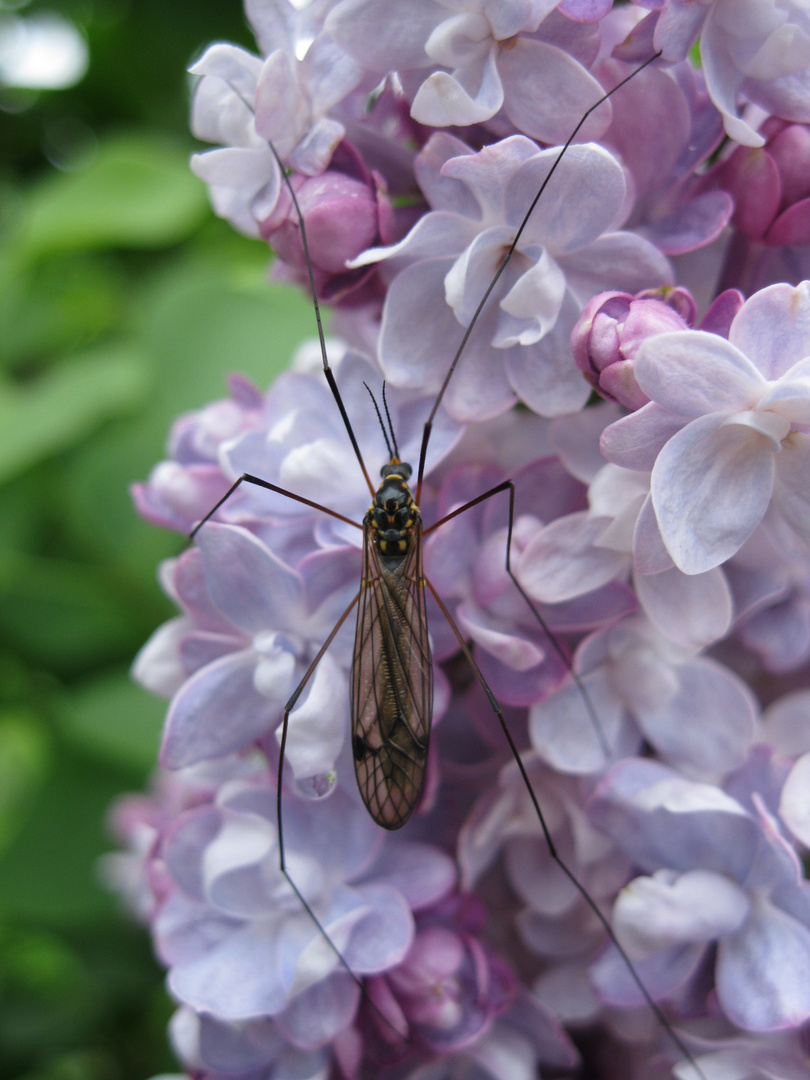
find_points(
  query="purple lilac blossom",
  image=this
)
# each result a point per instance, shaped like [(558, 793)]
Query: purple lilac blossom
[(655, 689)]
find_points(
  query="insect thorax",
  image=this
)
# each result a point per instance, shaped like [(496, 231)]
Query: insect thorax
[(393, 514)]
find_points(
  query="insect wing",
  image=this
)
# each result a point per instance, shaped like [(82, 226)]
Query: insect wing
[(392, 684)]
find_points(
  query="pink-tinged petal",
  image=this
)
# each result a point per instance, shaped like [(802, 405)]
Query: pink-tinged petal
[(755, 175), (661, 974), (667, 909), (722, 312), (562, 561), (570, 733), (761, 973), (692, 610), (691, 373), (579, 204), (794, 805), (693, 225), (546, 92), (444, 100), (728, 715), (711, 486), (791, 494), (377, 35), (789, 396), (773, 328), (635, 441), (252, 588), (319, 722), (792, 227), (219, 710), (585, 10), (619, 260)]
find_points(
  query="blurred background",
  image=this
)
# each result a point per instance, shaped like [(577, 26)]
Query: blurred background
[(123, 302)]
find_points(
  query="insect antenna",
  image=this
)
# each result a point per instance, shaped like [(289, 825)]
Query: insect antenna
[(390, 425), (379, 417)]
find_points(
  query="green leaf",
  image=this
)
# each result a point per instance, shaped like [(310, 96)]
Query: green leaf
[(138, 192), (49, 872), (115, 719), (58, 305), (65, 404), (64, 613), (24, 761)]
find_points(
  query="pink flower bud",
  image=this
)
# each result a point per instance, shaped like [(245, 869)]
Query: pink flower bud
[(771, 185), (345, 211), (611, 328)]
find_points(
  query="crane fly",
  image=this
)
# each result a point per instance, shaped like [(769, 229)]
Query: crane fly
[(392, 666)]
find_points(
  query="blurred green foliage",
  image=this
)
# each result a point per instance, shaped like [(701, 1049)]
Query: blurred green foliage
[(123, 303)]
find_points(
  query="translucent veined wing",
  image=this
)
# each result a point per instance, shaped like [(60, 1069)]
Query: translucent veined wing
[(392, 683)]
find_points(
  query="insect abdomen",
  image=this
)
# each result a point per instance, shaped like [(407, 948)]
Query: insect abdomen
[(392, 685)]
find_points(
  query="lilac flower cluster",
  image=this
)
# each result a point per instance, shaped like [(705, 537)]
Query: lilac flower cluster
[(662, 535)]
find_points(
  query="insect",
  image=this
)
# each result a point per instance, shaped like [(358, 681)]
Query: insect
[(392, 668)]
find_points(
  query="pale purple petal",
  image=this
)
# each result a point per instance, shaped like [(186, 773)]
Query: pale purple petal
[(250, 586), (546, 92), (319, 722), (667, 909), (794, 806), (562, 561), (791, 493), (690, 372), (773, 328), (219, 710), (694, 610), (711, 486), (719, 741), (635, 441), (562, 728), (762, 982)]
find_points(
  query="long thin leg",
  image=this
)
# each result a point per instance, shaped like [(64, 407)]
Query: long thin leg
[(504, 262), (280, 777), (330, 378), (247, 478), (586, 699), (552, 850), (327, 370)]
